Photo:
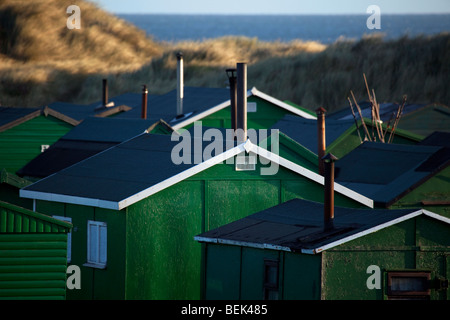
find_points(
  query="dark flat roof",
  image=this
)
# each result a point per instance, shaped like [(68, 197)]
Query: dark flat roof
[(90, 137), (383, 172), (297, 225), (304, 131)]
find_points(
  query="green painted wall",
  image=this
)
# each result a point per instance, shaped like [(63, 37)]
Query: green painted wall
[(237, 273), (266, 116), (223, 268), (162, 258), (22, 143), (96, 283), (416, 244), (420, 244), (163, 261), (436, 189), (151, 251)]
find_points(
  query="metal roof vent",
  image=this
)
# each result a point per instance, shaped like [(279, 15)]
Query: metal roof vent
[(246, 162), (328, 208), (180, 84)]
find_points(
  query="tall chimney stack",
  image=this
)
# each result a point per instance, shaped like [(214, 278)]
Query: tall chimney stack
[(321, 144), (105, 92), (233, 97), (241, 102), (144, 102), (328, 208), (180, 83)]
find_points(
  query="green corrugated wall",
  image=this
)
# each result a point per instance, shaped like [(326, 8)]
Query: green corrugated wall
[(33, 266), (22, 143), (33, 256)]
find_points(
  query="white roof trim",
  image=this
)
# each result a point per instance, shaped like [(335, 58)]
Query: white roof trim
[(311, 175), (37, 195), (242, 243), (201, 115), (332, 244), (282, 104), (248, 146), (363, 233), (252, 92), (181, 176), (436, 216)]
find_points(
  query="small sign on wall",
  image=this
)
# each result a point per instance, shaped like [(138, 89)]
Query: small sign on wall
[(251, 107)]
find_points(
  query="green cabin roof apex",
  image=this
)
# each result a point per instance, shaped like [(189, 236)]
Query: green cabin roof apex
[(34, 113), (250, 93), (44, 190)]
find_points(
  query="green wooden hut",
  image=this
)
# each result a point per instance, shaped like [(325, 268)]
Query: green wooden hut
[(145, 210), (90, 137), (263, 111), (287, 252), (33, 254), (27, 132)]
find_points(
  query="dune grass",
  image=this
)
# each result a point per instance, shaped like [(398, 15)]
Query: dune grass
[(42, 61)]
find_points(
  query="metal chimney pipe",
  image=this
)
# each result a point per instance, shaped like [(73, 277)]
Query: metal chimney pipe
[(144, 102), (105, 92), (241, 103), (321, 144), (328, 208), (180, 84), (233, 97)]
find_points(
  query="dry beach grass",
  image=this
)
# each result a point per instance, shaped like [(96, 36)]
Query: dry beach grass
[(42, 61)]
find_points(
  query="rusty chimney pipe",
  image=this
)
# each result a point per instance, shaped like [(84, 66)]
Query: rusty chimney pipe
[(144, 102), (328, 208), (180, 83), (241, 102), (321, 144), (105, 92), (233, 97)]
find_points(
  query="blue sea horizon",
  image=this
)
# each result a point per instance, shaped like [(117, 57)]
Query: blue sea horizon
[(322, 28)]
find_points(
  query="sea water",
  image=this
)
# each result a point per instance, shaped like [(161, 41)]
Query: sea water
[(323, 28)]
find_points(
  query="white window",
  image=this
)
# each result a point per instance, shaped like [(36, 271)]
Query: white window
[(96, 244), (69, 237)]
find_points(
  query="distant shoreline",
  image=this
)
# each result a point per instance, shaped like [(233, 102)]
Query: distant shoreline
[(282, 14), (322, 28)]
